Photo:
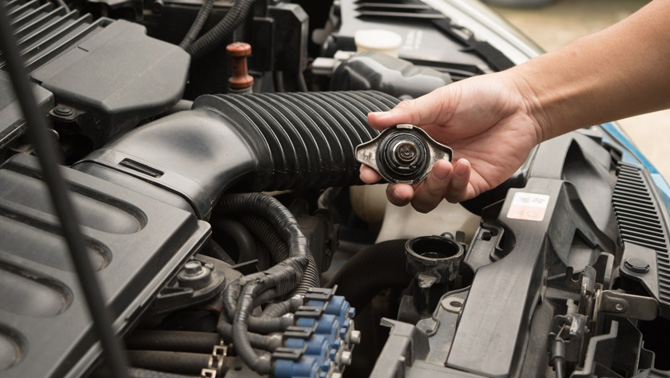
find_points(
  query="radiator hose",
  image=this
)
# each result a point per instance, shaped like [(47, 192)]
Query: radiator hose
[(247, 143), (375, 268)]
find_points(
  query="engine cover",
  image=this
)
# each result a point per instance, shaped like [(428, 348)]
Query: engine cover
[(135, 243), (103, 76)]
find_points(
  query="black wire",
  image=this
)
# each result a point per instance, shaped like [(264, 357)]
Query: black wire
[(37, 130), (302, 84), (198, 23), (278, 77), (222, 31)]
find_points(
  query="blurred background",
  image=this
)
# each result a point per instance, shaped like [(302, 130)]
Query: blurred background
[(562, 21)]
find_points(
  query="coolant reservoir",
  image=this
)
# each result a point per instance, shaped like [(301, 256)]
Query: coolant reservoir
[(406, 223), (382, 41), (369, 202)]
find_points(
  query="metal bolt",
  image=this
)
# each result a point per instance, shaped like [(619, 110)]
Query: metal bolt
[(192, 268), (406, 152), (355, 337), (194, 275), (63, 111), (346, 357), (618, 307), (636, 265), (157, 6)]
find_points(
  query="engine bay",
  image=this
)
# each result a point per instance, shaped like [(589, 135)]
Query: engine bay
[(210, 152)]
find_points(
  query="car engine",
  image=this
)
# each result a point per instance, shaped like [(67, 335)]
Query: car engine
[(210, 151)]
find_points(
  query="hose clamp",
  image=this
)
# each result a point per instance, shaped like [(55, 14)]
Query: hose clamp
[(219, 353)]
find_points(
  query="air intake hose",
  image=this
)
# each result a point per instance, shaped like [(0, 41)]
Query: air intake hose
[(247, 143)]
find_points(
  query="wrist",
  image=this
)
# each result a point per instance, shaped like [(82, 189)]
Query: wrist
[(530, 101)]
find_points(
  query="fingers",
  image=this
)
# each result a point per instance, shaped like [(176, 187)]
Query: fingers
[(459, 187), (431, 191), (399, 194), (421, 111), (369, 175), (444, 181)]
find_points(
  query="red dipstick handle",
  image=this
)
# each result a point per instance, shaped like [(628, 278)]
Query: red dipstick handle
[(240, 80)]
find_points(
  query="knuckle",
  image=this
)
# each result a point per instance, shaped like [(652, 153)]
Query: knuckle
[(456, 196), (405, 105), (436, 189)]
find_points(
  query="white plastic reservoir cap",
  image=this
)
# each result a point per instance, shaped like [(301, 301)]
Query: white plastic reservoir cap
[(383, 41)]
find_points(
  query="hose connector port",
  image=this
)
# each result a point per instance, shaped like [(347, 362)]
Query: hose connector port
[(402, 154)]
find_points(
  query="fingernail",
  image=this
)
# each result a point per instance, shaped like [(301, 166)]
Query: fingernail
[(462, 168), (378, 114)]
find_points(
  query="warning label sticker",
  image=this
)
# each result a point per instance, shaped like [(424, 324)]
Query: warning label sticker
[(528, 206)]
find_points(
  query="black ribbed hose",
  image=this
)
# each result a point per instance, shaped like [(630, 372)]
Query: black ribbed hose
[(197, 25), (242, 238), (309, 138), (177, 341), (144, 373), (243, 143), (267, 235), (372, 270), (222, 31), (174, 362), (103, 372), (213, 249)]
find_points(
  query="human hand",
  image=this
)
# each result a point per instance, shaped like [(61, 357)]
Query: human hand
[(490, 122)]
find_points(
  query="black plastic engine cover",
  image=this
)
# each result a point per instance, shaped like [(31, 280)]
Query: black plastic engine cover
[(116, 78), (108, 75), (135, 243), (11, 120)]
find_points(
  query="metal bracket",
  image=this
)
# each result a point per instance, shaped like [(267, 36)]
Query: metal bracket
[(626, 305)]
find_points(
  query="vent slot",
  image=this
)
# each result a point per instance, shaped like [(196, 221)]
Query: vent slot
[(640, 222), (397, 9), (44, 31)]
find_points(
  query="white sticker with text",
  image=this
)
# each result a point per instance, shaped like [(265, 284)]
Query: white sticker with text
[(528, 206)]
